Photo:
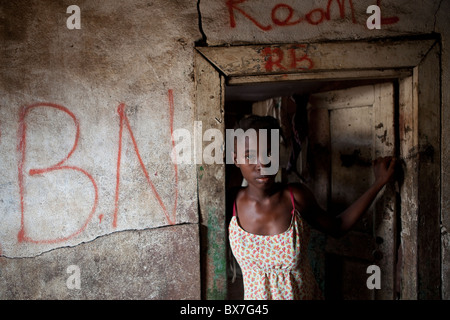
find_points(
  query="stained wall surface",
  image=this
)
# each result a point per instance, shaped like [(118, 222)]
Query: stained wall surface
[(86, 122), (86, 117)]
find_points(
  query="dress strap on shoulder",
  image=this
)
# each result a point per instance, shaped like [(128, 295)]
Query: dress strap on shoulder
[(292, 200), (234, 209)]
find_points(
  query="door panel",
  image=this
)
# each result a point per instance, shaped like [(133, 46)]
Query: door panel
[(354, 126)]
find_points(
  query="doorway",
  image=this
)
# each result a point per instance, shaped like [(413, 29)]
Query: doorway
[(401, 236), (331, 132)]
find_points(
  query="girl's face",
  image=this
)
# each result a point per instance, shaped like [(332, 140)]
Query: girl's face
[(252, 164)]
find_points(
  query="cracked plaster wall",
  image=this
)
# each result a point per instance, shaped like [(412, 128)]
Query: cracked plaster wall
[(85, 139), (87, 208)]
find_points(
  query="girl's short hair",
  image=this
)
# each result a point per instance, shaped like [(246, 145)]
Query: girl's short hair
[(258, 122)]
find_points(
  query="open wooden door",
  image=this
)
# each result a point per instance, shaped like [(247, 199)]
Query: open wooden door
[(348, 129)]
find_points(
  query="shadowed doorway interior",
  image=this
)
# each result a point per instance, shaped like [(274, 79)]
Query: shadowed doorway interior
[(328, 143)]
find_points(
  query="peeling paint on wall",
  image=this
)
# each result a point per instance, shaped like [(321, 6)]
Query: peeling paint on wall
[(216, 250)]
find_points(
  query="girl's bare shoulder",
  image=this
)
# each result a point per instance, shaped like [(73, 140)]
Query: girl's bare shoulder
[(299, 190)]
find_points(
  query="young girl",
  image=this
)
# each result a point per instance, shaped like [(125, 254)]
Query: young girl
[(269, 230)]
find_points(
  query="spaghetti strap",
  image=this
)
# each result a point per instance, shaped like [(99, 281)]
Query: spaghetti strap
[(292, 200), (234, 209), (275, 267)]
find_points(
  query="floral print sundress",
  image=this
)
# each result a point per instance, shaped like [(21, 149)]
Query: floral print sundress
[(275, 267)]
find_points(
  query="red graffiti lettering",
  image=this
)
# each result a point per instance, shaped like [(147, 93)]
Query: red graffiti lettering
[(233, 5), (274, 57), (22, 236), (269, 55), (124, 120), (302, 62), (315, 16), (287, 21), (285, 15), (341, 4), (390, 20)]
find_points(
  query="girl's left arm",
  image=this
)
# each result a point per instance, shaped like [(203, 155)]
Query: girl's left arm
[(338, 225), (384, 170)]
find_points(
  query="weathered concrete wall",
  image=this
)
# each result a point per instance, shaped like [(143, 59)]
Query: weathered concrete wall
[(85, 139), (262, 21), (144, 264), (85, 131)]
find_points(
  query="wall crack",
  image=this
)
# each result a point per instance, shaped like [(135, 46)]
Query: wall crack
[(435, 15), (204, 40), (93, 240)]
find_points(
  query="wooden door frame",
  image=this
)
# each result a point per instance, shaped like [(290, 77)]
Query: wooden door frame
[(413, 62)]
